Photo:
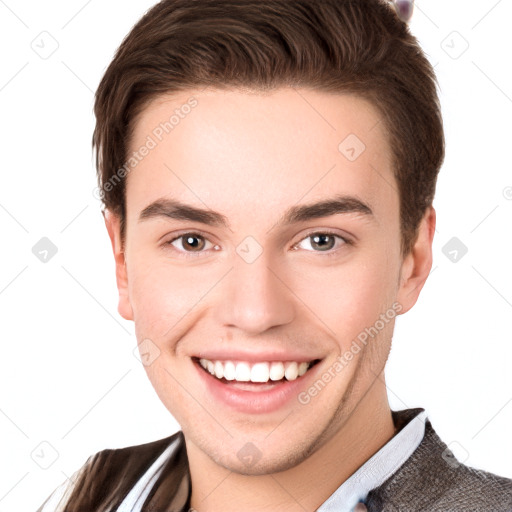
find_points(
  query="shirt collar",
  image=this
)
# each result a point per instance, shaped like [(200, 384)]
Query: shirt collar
[(376, 470), (173, 486)]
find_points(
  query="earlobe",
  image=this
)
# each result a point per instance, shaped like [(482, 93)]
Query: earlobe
[(113, 225), (417, 264)]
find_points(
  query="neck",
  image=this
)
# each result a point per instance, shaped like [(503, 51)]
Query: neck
[(307, 485)]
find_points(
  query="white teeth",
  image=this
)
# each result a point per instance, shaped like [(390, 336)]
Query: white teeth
[(291, 371), (229, 370), (219, 370), (276, 370), (258, 372), (243, 372)]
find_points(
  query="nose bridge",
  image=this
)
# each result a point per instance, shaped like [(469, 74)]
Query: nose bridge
[(255, 298)]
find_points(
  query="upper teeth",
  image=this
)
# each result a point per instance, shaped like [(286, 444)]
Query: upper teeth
[(257, 372)]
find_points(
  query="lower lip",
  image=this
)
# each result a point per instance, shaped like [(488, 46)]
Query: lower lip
[(261, 401)]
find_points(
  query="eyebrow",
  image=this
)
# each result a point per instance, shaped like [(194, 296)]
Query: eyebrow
[(174, 209)]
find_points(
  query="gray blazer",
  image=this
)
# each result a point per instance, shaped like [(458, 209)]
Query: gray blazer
[(431, 480)]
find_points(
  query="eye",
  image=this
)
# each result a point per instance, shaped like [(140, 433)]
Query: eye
[(190, 243), (322, 242)]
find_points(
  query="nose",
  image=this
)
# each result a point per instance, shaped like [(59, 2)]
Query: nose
[(255, 297)]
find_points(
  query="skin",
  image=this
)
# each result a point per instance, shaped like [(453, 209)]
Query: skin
[(251, 156)]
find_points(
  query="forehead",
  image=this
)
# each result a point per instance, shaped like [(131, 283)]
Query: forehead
[(224, 148)]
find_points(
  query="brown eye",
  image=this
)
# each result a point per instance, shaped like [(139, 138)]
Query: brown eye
[(193, 242), (189, 242)]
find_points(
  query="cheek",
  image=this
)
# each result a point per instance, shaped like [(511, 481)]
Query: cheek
[(163, 295), (348, 298)]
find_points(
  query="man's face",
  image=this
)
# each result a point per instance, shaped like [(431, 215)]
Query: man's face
[(255, 284)]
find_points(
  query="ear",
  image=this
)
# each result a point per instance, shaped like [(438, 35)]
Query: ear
[(417, 264), (113, 225)]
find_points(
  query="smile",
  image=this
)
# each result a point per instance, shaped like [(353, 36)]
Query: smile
[(251, 383), (260, 372)]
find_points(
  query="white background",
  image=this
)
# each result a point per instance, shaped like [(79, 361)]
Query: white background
[(68, 376)]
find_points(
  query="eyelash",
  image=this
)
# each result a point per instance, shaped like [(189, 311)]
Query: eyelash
[(329, 253)]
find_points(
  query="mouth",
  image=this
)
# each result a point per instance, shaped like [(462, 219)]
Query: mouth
[(254, 387), (257, 373)]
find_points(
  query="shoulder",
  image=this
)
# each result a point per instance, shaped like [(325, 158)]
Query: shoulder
[(433, 480), (107, 476)]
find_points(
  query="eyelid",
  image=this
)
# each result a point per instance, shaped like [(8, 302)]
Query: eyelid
[(183, 232), (326, 231)]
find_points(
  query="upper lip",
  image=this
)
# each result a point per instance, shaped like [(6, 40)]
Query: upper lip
[(254, 356)]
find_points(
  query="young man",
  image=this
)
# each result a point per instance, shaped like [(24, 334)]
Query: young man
[(268, 170)]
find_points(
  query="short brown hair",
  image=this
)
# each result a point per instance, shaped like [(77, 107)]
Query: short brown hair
[(351, 46)]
